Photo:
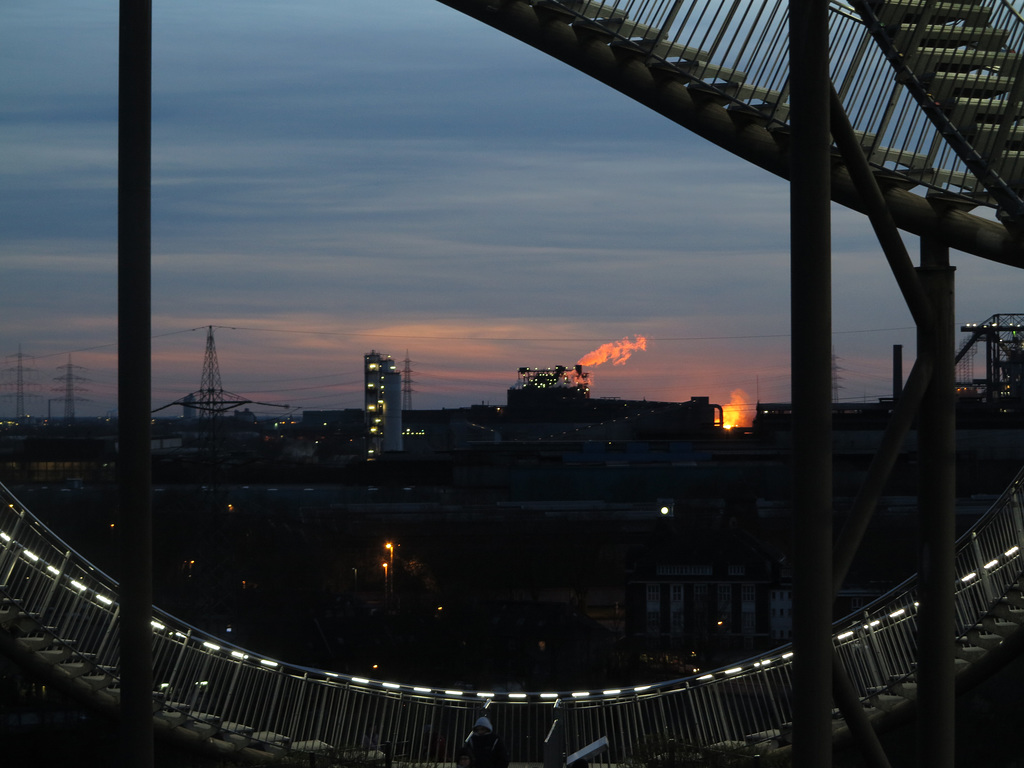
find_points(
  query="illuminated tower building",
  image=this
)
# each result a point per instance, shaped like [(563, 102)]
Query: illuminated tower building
[(382, 393)]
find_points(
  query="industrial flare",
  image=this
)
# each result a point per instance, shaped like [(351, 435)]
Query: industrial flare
[(617, 352), (736, 413)]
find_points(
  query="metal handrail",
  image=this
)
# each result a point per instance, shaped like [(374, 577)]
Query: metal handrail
[(60, 607)]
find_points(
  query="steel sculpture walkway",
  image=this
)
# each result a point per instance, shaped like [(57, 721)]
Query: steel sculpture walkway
[(59, 617), (933, 92)]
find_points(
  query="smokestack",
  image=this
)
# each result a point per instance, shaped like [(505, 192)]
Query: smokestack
[(897, 371)]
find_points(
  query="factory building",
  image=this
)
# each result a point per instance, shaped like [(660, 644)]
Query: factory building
[(382, 404)]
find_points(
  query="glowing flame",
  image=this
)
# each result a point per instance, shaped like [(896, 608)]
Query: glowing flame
[(616, 351), (736, 413)]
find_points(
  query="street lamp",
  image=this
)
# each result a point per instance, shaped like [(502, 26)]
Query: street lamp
[(387, 595)]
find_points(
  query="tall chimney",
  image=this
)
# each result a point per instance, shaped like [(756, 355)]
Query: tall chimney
[(897, 371)]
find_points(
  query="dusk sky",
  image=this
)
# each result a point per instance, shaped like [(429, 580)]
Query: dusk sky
[(335, 177)]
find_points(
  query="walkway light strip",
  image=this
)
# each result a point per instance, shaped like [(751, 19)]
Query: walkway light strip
[(1011, 551), (268, 663), (360, 680), (239, 655), (733, 670), (211, 646), (706, 677), (53, 570), (897, 614), (104, 599), (31, 556), (580, 694), (4, 536), (517, 695), (391, 685), (453, 693), (845, 635), (991, 564), (484, 695), (157, 625), (640, 688), (549, 695), (78, 585), (969, 577), (612, 692), (418, 689)]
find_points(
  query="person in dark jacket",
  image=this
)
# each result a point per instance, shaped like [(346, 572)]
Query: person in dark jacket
[(487, 749)]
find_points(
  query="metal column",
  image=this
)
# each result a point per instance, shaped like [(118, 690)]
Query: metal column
[(811, 318), (134, 381), (936, 690)]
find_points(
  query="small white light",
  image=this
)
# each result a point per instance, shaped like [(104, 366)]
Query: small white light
[(706, 677), (845, 635), (991, 564), (897, 614), (612, 692), (641, 688), (733, 670), (453, 693), (78, 585), (211, 646), (239, 655), (31, 556), (517, 695), (361, 680), (391, 685), (4, 536), (268, 663), (549, 695), (580, 694), (54, 571), (418, 689), (485, 695), (1011, 551), (104, 599), (969, 577)]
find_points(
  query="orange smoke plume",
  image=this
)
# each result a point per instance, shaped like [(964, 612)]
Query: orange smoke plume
[(736, 413), (616, 351)]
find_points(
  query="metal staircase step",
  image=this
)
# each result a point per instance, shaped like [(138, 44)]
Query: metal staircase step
[(926, 59), (35, 642), (970, 652), (897, 13), (984, 639), (967, 86), (54, 655), (970, 112), (941, 36), (999, 627)]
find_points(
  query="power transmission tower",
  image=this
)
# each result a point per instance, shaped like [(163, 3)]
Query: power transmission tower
[(407, 383), (214, 577), (19, 371), (68, 381)]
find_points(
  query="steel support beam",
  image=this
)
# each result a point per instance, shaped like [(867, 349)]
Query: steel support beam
[(134, 381), (811, 361), (936, 680)]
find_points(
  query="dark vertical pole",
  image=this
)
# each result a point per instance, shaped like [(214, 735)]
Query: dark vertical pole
[(133, 384), (937, 515), (811, 311)]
